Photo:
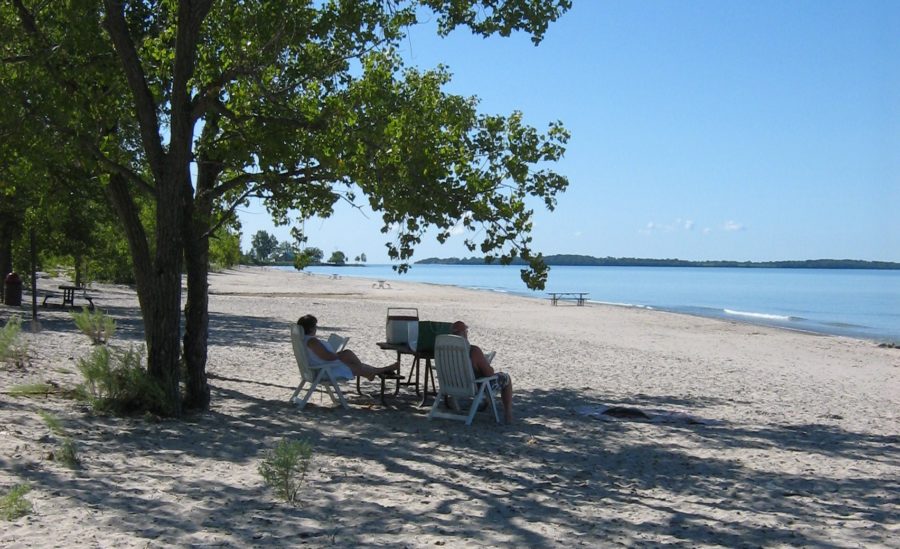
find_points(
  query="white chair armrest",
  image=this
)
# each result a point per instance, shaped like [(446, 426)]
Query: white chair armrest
[(485, 378), (318, 367)]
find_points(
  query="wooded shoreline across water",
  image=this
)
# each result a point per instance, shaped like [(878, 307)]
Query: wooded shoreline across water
[(587, 261)]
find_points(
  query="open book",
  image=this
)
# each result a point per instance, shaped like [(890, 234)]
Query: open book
[(490, 356), (337, 343)]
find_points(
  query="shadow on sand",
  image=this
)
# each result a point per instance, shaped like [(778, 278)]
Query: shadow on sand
[(584, 476)]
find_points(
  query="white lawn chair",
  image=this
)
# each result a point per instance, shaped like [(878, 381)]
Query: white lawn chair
[(326, 376), (456, 379)]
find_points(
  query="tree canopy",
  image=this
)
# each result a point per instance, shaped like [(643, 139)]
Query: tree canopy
[(337, 257), (263, 245), (196, 106)]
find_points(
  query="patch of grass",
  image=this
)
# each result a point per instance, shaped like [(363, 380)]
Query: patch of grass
[(31, 389), (67, 454), (115, 381), (284, 467), (14, 505), (95, 324), (53, 423), (11, 349), (8, 335)]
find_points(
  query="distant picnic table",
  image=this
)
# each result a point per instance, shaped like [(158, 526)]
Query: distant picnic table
[(68, 296), (577, 297)]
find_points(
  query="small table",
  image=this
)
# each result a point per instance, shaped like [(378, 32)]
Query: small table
[(68, 297), (578, 297), (404, 349)]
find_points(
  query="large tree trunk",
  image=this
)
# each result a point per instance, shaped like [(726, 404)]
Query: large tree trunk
[(198, 224), (79, 271), (196, 310), (5, 255), (164, 337), (6, 238), (158, 287)]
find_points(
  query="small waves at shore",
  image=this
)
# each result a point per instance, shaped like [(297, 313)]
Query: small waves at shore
[(790, 322), (762, 316), (617, 304), (854, 303)]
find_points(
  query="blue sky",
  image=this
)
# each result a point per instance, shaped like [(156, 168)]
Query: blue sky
[(740, 130)]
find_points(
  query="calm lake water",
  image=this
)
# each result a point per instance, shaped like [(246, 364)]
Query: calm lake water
[(856, 303)]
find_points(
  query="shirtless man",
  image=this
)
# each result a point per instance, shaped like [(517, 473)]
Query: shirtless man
[(483, 369)]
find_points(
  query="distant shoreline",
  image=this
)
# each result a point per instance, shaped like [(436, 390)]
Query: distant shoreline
[(589, 261)]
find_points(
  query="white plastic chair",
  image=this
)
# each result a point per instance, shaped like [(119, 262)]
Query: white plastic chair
[(456, 379), (326, 375)]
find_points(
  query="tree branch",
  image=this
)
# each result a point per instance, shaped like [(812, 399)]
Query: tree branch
[(145, 106), (228, 213), (305, 174)]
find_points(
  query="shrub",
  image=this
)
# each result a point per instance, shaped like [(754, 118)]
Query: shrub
[(67, 454), (53, 422), (224, 248), (284, 467), (95, 324), (11, 350), (115, 381), (14, 505), (8, 335)]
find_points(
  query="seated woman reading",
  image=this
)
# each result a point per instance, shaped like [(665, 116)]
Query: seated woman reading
[(320, 352)]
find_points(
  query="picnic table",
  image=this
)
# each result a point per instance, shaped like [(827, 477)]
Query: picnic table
[(577, 297), (68, 296), (413, 379)]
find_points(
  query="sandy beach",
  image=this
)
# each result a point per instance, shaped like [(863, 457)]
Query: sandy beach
[(755, 437)]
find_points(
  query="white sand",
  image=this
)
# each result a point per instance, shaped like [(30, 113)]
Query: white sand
[(798, 442)]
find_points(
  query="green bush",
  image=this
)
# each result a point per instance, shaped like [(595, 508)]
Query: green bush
[(284, 467), (8, 335), (224, 249), (115, 381), (53, 422), (11, 349), (95, 324), (14, 505), (67, 454)]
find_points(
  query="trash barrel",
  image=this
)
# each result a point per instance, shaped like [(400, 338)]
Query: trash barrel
[(12, 290)]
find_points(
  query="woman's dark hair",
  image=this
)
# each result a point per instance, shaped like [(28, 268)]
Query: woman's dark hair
[(308, 323)]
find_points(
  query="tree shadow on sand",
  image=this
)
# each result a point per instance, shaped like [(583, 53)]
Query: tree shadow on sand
[(582, 475), (246, 331), (627, 482)]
